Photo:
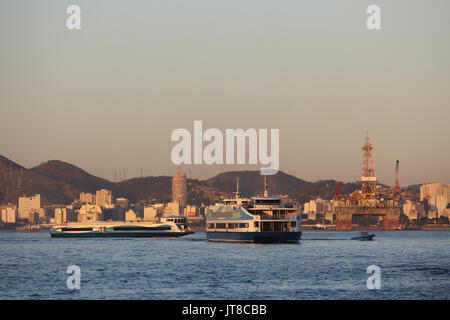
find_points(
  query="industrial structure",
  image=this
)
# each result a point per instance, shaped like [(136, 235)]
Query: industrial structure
[(367, 201)]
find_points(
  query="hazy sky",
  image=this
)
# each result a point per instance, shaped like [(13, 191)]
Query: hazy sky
[(108, 96)]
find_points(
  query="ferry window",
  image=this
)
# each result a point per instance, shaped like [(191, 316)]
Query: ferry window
[(293, 224), (256, 224), (221, 225), (231, 226), (277, 226), (76, 229), (267, 226), (243, 225), (211, 225)]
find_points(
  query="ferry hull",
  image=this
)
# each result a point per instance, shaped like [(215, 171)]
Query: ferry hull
[(95, 234), (255, 237)]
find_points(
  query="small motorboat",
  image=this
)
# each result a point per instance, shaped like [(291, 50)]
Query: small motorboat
[(364, 236)]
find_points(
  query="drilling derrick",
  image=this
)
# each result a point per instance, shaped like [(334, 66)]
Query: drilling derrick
[(397, 186), (368, 178), (365, 204)]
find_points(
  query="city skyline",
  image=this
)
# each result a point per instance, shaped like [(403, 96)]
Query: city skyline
[(108, 96)]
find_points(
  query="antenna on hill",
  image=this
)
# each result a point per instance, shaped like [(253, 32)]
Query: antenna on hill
[(141, 172)]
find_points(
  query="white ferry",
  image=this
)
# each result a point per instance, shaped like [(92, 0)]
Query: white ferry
[(261, 219), (172, 227)]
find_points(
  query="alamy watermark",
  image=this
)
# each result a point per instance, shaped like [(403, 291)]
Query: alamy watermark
[(74, 280), (213, 153), (374, 281)]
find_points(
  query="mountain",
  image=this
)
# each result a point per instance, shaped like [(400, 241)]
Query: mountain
[(146, 188), (252, 183), (73, 176), (50, 180), (59, 182)]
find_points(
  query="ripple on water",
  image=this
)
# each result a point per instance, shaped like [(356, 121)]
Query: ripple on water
[(414, 265)]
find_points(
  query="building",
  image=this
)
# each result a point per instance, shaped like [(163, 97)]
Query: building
[(28, 205), (130, 215), (437, 197), (103, 197), (413, 210), (179, 188), (87, 198), (89, 212), (122, 202), (33, 217), (60, 215), (191, 211), (318, 206), (8, 214), (151, 213), (172, 209)]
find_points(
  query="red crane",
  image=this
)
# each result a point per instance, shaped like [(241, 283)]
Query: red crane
[(397, 187), (337, 194)]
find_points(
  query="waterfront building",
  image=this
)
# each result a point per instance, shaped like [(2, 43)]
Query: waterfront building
[(179, 188)]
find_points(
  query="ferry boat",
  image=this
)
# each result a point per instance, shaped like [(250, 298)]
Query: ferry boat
[(261, 219), (171, 227)]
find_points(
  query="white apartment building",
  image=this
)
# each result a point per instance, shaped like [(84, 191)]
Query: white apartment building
[(437, 195), (27, 205), (8, 214)]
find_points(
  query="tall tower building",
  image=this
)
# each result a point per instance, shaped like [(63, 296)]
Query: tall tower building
[(179, 188)]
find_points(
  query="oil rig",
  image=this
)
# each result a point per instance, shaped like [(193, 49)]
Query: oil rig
[(367, 201)]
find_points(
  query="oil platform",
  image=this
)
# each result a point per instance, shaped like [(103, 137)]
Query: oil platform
[(367, 201)]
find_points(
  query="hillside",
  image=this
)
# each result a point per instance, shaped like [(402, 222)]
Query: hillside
[(73, 176), (59, 182), (252, 183)]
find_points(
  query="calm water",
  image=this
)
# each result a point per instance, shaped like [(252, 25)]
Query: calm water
[(325, 265)]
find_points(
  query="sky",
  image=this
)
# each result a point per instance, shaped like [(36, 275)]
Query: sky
[(107, 97)]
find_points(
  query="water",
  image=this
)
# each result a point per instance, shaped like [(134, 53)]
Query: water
[(325, 265)]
